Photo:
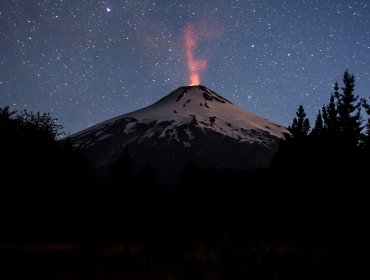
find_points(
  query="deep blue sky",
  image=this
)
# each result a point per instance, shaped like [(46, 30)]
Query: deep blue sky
[(87, 61)]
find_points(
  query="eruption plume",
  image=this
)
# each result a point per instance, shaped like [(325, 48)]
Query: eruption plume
[(194, 65)]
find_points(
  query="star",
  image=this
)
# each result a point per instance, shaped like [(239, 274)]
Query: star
[(108, 9)]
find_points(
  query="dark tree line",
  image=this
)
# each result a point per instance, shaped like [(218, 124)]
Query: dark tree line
[(333, 156), (43, 181)]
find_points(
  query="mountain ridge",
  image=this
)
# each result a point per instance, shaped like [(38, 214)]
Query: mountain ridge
[(191, 124)]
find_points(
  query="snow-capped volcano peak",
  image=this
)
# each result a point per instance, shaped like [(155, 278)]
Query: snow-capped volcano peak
[(191, 124), (196, 93), (205, 108)]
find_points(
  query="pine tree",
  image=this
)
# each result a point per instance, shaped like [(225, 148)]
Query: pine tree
[(325, 117), (319, 126), (330, 113), (366, 137), (301, 125), (336, 90), (349, 117)]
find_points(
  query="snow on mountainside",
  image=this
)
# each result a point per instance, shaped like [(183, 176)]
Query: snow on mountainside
[(191, 124), (187, 105)]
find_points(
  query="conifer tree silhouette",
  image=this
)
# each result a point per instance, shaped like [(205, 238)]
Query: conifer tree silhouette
[(330, 113), (301, 125), (349, 114), (319, 125)]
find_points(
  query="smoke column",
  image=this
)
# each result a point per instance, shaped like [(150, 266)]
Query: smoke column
[(194, 65)]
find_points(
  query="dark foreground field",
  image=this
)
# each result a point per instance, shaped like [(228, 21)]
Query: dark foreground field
[(262, 259), (258, 244), (261, 232)]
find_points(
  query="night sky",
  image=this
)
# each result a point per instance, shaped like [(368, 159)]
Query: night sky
[(87, 61)]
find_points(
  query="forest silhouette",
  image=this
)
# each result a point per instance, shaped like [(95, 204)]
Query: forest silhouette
[(313, 197)]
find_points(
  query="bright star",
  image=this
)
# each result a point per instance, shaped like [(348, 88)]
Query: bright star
[(109, 9)]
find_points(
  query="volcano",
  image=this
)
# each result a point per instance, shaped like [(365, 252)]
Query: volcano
[(193, 124)]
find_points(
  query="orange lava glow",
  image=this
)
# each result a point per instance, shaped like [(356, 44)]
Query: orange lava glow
[(194, 65)]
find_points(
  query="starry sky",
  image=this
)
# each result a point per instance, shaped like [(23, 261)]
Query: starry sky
[(85, 61)]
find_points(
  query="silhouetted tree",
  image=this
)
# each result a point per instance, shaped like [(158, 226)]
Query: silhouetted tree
[(335, 146), (330, 113), (29, 124), (318, 124), (41, 176), (301, 125), (349, 114), (6, 115), (330, 154), (28, 141), (366, 137)]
